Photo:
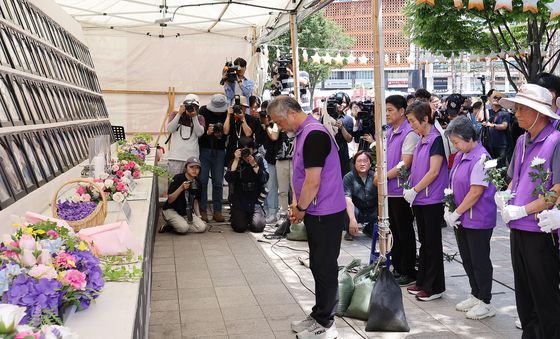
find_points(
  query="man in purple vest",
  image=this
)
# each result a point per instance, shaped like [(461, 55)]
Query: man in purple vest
[(318, 200), (534, 254), (401, 143)]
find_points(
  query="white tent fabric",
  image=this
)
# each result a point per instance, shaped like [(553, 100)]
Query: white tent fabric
[(134, 54)]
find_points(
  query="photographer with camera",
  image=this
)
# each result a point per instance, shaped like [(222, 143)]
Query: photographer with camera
[(234, 80), (283, 82), (237, 125), (185, 126), (498, 130), (248, 176), (341, 125), (181, 211), (364, 128), (212, 155)]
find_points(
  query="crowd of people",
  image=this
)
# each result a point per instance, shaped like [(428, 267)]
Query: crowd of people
[(281, 160)]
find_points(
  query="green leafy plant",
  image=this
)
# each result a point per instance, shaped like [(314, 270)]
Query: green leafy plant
[(157, 170), (130, 157), (496, 176), (142, 137), (122, 268)]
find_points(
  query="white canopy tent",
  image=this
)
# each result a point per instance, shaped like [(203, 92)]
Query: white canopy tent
[(143, 47)]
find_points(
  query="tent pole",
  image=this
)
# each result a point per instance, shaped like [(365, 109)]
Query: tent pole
[(295, 54), (380, 122), (170, 108)]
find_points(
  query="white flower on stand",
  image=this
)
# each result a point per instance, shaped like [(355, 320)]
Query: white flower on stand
[(63, 332), (10, 316), (400, 165), (118, 197), (103, 176), (448, 191), (490, 164), (108, 183), (537, 161)]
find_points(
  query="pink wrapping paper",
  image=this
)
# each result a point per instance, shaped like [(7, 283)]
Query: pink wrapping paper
[(111, 239), (33, 218)]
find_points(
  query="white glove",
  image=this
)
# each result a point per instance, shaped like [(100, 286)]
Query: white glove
[(549, 220), (410, 195), (512, 212), (451, 218), (502, 197)]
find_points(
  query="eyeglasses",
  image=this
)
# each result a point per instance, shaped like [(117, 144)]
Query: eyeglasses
[(363, 161)]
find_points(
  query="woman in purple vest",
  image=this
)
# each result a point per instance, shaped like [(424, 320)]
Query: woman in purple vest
[(428, 179), (474, 217), (401, 142), (534, 253)]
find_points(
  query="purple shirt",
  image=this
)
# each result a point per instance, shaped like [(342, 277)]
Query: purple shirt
[(468, 170), (395, 140), (330, 198), (543, 147), (433, 193)]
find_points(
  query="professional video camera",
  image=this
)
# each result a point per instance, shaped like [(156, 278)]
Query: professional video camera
[(366, 117), (334, 101), (231, 71), (282, 68)]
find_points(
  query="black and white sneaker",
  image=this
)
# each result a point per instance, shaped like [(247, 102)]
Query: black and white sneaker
[(317, 331)]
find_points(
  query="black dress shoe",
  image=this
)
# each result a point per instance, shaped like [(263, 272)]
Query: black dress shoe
[(164, 227)]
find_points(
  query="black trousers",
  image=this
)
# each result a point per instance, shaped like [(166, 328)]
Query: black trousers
[(536, 268), (430, 275), (403, 252), (254, 221), (474, 247), (324, 234)]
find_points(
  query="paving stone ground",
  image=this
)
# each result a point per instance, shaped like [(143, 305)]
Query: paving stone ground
[(222, 284)]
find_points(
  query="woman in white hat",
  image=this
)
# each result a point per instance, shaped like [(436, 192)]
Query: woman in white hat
[(185, 126), (534, 253)]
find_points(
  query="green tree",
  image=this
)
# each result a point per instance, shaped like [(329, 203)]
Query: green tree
[(443, 28), (316, 31)]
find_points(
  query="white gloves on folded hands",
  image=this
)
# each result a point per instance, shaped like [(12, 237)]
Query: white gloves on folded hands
[(502, 197), (451, 218), (410, 195), (549, 220), (512, 212)]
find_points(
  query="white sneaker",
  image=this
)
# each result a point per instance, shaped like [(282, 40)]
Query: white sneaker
[(316, 331), (466, 305), (301, 325), (518, 324), (481, 310)]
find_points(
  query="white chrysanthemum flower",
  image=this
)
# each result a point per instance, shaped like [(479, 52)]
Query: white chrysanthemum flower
[(483, 159), (448, 191), (491, 164), (400, 165), (537, 161), (118, 197)]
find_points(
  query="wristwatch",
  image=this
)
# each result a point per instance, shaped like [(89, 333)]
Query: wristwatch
[(299, 208)]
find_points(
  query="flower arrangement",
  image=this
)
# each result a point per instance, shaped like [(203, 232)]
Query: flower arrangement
[(402, 175), (135, 151), (541, 176), (114, 187), (79, 205), (47, 268), (125, 168), (496, 176), (10, 317), (449, 199)]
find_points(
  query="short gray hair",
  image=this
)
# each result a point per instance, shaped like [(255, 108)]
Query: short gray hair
[(281, 104), (461, 127)]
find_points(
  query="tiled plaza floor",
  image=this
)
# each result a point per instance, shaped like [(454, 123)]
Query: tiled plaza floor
[(230, 285)]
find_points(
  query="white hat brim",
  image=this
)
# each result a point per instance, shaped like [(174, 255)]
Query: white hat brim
[(509, 103)]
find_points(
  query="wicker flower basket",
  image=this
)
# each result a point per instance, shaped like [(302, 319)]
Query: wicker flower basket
[(96, 218)]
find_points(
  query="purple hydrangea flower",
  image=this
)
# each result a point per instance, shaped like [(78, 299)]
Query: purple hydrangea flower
[(88, 263), (73, 211)]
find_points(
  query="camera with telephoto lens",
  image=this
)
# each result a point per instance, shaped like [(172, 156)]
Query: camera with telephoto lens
[(334, 101), (282, 68), (237, 105), (231, 73), (218, 128)]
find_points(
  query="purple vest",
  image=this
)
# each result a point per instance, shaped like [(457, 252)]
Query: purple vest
[(433, 194), (483, 214), (330, 197), (521, 183), (395, 142)]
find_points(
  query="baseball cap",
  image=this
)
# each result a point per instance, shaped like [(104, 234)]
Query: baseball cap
[(192, 99), (193, 161), (454, 103)]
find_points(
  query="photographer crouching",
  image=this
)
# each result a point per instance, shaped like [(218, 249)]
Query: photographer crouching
[(185, 126), (181, 211), (248, 175)]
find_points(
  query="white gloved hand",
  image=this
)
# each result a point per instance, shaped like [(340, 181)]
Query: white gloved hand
[(451, 218), (512, 212), (502, 197), (549, 220), (410, 195)]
